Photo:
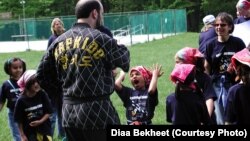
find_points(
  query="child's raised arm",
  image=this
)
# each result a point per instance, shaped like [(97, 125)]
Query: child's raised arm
[(119, 80), (156, 73)]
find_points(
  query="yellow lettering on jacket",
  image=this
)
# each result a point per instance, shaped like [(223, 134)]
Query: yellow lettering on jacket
[(99, 54), (77, 42), (68, 43), (64, 61), (85, 43), (74, 60), (92, 47), (86, 61), (61, 48), (80, 59)]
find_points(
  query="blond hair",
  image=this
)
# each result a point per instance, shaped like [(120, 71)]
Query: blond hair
[(53, 24)]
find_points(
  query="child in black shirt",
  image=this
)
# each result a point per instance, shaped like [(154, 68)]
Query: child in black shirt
[(238, 102), (141, 100), (32, 110)]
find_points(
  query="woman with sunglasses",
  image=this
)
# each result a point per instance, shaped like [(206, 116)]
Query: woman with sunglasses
[(218, 53)]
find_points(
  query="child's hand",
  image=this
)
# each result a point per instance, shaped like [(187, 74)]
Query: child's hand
[(23, 137), (114, 71), (35, 123), (136, 123), (157, 70), (230, 68), (122, 74)]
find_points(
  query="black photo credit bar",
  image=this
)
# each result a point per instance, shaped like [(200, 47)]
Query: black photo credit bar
[(133, 132)]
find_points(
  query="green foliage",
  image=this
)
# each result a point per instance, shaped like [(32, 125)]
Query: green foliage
[(195, 8), (38, 8), (181, 4), (165, 3), (215, 6)]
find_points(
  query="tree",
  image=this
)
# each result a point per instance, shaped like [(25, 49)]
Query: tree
[(195, 8), (10, 6), (215, 6), (193, 11), (164, 4)]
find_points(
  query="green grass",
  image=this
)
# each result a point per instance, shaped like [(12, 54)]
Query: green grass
[(158, 51)]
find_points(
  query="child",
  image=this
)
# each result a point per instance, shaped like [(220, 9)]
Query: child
[(188, 55), (13, 67), (141, 100), (187, 105), (32, 110), (238, 102)]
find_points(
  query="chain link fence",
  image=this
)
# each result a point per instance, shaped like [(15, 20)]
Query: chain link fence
[(121, 24)]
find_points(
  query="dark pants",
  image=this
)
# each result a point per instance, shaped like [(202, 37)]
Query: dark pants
[(78, 134)]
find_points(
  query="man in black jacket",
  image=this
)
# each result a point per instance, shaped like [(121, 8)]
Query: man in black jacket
[(81, 61)]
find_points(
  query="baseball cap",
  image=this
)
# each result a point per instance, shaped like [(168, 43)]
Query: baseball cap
[(208, 19)]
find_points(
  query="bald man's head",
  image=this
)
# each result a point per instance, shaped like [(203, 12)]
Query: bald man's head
[(84, 7)]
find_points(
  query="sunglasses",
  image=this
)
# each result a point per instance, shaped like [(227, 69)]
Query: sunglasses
[(222, 25)]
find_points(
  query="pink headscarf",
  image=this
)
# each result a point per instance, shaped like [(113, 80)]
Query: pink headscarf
[(24, 78), (244, 4), (242, 56), (189, 55), (181, 72), (146, 74)]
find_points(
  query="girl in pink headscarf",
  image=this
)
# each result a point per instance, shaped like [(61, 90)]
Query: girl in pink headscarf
[(188, 55), (238, 102), (32, 109), (141, 100), (187, 105)]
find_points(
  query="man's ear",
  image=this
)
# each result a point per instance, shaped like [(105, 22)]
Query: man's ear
[(94, 14)]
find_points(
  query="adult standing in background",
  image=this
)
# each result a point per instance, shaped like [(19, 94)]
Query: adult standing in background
[(57, 28), (207, 32), (54, 92), (218, 55), (82, 60), (208, 22), (243, 11)]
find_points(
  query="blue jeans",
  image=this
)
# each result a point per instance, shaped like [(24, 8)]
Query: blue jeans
[(55, 118), (13, 126), (221, 89)]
